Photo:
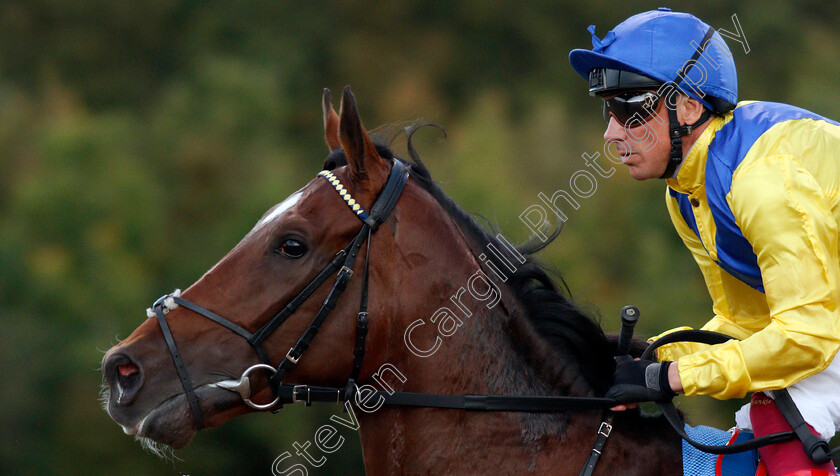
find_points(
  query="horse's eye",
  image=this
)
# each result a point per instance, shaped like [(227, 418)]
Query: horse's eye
[(291, 248)]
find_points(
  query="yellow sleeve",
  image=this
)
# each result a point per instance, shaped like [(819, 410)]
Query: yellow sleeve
[(782, 212)]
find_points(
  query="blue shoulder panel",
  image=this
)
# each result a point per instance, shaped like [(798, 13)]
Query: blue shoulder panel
[(728, 149)]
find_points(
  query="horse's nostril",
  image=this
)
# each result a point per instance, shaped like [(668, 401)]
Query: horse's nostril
[(124, 377), (127, 370), (127, 386)]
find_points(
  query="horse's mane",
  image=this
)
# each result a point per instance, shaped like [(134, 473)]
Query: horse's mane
[(572, 334)]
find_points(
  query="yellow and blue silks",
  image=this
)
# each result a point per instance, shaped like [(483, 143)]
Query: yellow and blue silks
[(756, 202)]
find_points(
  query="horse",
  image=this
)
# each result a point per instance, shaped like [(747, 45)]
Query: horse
[(449, 308)]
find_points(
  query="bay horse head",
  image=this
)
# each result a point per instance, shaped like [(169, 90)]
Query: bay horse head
[(373, 258), (287, 249)]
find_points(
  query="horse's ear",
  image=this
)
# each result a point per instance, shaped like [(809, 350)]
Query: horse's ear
[(361, 154), (330, 122)]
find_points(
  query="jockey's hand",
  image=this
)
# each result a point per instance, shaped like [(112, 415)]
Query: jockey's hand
[(640, 381)]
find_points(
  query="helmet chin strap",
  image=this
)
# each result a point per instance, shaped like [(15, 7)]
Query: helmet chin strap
[(676, 131)]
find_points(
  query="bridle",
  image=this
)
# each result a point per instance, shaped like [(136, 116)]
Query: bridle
[(343, 261)]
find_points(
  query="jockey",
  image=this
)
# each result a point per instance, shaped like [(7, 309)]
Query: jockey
[(753, 190)]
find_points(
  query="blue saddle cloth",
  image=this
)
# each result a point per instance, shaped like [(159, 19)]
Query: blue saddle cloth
[(698, 463)]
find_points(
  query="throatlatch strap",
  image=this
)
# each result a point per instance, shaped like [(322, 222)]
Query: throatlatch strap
[(362, 319)]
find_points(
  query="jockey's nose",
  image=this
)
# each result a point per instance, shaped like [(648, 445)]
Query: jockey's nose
[(614, 131), (124, 377)]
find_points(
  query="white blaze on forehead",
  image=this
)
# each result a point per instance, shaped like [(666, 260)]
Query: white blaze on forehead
[(279, 209)]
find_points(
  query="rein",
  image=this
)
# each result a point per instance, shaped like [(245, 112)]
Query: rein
[(818, 449)]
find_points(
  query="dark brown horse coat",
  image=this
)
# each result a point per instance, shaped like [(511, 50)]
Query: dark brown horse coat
[(453, 308)]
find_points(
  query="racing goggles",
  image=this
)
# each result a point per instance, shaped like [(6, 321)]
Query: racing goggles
[(634, 104)]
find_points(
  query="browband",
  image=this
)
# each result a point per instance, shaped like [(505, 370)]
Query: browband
[(387, 198)]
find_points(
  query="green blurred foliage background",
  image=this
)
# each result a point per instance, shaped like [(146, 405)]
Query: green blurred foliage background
[(140, 140)]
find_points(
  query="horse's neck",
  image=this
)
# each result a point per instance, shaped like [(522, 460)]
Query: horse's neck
[(480, 358), (483, 357)]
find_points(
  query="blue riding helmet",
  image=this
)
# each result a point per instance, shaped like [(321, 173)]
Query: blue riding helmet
[(659, 45)]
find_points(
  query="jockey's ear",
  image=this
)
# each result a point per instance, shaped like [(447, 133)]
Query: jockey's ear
[(330, 122), (368, 169), (690, 110)]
